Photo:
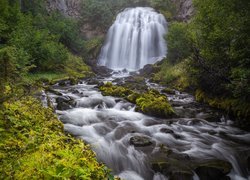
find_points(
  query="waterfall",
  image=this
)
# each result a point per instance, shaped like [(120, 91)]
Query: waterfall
[(135, 39)]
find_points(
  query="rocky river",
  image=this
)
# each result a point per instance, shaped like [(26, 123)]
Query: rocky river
[(199, 143)]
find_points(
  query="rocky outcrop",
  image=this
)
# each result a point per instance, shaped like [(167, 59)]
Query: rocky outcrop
[(67, 7), (72, 8), (184, 8)]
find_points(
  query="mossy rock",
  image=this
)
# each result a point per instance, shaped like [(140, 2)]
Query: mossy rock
[(118, 91), (140, 141), (151, 102), (132, 97), (154, 104)]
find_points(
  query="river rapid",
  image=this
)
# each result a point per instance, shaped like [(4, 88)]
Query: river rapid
[(132, 144)]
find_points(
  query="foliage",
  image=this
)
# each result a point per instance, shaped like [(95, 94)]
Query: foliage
[(220, 32), (97, 13), (93, 46), (33, 145), (176, 75), (66, 29), (235, 106), (179, 45), (166, 7)]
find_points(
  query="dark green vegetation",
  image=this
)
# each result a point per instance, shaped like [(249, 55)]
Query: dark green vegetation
[(33, 43), (150, 102), (208, 55), (33, 145), (37, 47), (211, 53)]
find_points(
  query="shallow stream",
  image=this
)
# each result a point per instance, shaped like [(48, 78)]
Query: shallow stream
[(129, 142)]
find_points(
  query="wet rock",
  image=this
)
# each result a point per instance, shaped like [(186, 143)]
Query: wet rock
[(167, 131), (140, 141), (125, 70), (92, 81), (64, 102), (149, 69), (102, 71), (215, 169), (181, 176), (248, 163), (168, 91), (53, 91), (173, 169), (121, 131), (75, 91), (150, 122)]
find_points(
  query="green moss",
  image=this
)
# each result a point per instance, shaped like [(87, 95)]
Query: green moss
[(132, 97), (118, 91), (151, 102), (34, 146)]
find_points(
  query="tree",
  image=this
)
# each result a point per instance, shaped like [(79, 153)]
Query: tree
[(179, 45), (220, 33)]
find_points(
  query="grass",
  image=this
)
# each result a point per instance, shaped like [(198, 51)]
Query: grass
[(173, 75)]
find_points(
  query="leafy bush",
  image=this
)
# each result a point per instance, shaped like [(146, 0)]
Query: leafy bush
[(178, 40)]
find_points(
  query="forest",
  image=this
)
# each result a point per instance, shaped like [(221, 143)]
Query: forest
[(125, 89)]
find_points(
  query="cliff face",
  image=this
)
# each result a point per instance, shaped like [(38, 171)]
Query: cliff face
[(72, 8), (185, 9), (68, 7)]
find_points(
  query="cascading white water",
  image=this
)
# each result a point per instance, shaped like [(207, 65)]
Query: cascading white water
[(135, 39)]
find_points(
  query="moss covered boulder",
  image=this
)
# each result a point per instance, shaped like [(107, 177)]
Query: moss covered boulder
[(150, 102), (109, 89), (154, 104)]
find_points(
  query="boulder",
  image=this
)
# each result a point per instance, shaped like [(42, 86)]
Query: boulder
[(168, 91), (53, 91), (173, 169), (148, 69), (248, 163), (140, 141), (167, 131), (64, 102), (214, 169)]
